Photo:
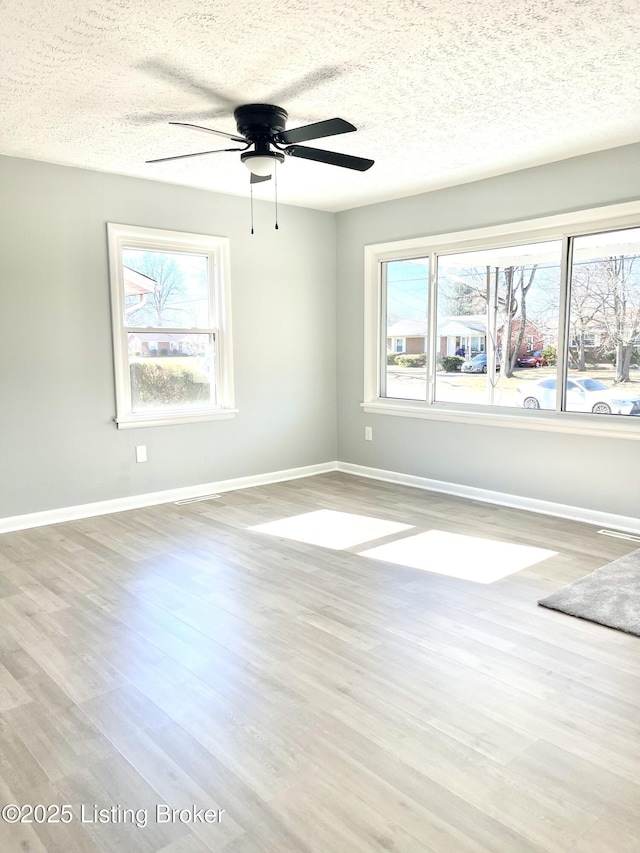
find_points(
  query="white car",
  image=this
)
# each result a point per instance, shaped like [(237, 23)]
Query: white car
[(584, 394)]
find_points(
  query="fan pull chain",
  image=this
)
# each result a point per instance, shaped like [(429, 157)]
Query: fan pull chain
[(275, 180), (251, 193)]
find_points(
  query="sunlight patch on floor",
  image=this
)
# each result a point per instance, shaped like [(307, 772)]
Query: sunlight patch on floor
[(466, 557), (331, 529)]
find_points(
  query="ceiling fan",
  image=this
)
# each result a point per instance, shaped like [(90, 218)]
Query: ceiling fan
[(262, 131)]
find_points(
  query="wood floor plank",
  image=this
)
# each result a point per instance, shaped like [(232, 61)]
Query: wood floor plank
[(525, 807), (62, 740), (564, 774), (241, 799), (126, 721), (354, 757), (604, 837)]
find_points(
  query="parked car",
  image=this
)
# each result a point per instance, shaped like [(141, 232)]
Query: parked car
[(584, 394), (533, 359), (477, 364)]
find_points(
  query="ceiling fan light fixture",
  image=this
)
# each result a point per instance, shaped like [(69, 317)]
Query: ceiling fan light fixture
[(261, 164)]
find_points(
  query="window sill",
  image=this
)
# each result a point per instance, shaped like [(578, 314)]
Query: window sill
[(159, 419), (598, 425)]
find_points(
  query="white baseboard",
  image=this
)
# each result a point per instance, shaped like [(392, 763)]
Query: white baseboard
[(72, 513), (588, 516)]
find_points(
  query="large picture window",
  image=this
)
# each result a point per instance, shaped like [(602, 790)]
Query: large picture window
[(539, 322), (171, 326), (498, 313)]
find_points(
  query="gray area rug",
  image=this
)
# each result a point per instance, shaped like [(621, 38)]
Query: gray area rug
[(609, 596)]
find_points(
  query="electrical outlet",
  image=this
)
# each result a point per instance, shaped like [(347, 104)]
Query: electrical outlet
[(141, 453), (368, 433)]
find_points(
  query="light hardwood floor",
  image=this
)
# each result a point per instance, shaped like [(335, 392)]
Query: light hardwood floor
[(327, 702)]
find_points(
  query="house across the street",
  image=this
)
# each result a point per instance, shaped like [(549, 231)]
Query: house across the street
[(464, 333)]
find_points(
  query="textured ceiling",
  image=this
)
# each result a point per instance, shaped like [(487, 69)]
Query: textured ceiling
[(442, 91)]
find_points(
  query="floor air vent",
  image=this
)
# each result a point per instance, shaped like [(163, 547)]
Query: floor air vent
[(204, 498), (619, 534)]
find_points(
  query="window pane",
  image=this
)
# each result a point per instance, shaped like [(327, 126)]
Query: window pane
[(497, 325), (171, 372), (604, 324), (406, 288), (165, 289)]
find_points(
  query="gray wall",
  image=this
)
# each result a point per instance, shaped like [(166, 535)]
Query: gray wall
[(595, 473), (58, 443)]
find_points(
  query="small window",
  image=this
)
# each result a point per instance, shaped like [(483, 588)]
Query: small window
[(604, 323), (584, 339), (171, 326), (405, 289)]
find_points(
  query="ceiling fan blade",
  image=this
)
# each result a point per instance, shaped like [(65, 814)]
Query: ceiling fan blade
[(309, 81), (333, 158), (330, 127), (155, 117), (166, 72), (233, 136), (197, 154), (258, 179)]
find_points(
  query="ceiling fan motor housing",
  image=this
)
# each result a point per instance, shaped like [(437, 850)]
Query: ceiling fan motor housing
[(259, 122)]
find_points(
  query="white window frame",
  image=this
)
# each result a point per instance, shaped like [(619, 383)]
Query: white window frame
[(559, 227), (217, 251)]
